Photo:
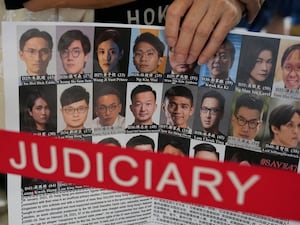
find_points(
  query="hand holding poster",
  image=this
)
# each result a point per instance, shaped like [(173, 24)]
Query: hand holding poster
[(119, 85)]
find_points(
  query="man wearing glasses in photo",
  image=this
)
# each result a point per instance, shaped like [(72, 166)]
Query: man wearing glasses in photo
[(220, 64), (246, 120), (148, 53), (74, 48), (290, 67), (212, 111), (108, 107), (35, 49), (74, 107)]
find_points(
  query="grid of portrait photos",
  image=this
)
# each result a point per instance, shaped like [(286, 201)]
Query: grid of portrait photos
[(122, 86)]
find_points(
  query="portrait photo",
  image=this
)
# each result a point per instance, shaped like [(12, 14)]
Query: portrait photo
[(36, 50), (111, 50), (148, 51), (74, 50)]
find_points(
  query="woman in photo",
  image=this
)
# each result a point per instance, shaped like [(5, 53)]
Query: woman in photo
[(109, 51), (37, 113), (257, 62)]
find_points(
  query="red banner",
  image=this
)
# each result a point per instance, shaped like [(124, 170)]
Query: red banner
[(223, 185)]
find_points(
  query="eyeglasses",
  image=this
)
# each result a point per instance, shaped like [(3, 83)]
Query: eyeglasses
[(148, 53), (71, 110), (251, 123), (75, 52), (33, 52), (289, 68), (212, 111), (109, 108), (222, 55)]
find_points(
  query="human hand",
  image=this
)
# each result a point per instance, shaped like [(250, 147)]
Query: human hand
[(38, 5), (204, 27), (252, 7)]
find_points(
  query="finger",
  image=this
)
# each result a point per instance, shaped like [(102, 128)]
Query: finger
[(187, 32), (253, 8), (202, 34), (34, 5), (217, 37), (38, 5), (173, 17)]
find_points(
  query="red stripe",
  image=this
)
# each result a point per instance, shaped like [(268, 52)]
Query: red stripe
[(273, 192)]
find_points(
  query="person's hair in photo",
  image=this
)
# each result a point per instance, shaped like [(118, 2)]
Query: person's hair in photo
[(140, 140), (181, 91), (241, 156), (228, 45), (288, 51), (68, 37), (37, 113), (216, 95), (152, 40), (282, 115), (257, 62), (74, 47), (32, 33), (174, 147), (110, 141), (74, 94), (108, 59), (108, 90), (249, 101), (140, 89), (205, 148)]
